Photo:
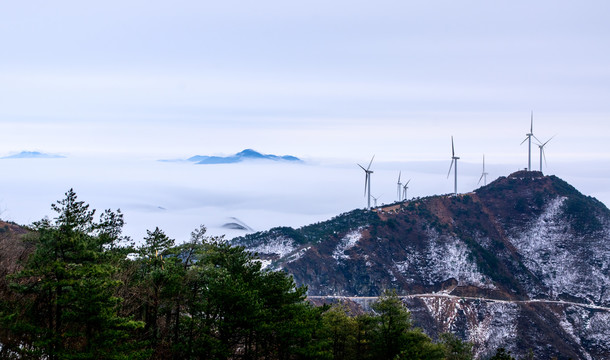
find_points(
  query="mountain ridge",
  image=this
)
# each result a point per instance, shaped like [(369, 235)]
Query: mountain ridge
[(33, 155), (246, 154), (523, 237)]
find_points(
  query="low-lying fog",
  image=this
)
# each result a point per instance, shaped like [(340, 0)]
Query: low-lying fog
[(179, 196)]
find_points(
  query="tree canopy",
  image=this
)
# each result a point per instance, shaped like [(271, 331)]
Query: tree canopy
[(85, 292)]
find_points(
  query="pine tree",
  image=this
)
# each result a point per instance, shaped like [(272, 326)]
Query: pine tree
[(68, 307), (393, 322), (395, 337), (455, 348), (155, 276), (340, 329)]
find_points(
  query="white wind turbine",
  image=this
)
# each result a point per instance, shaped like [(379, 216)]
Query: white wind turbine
[(367, 181), (404, 189), (375, 200), (399, 184), (542, 154), (483, 174), (528, 138), (454, 159)]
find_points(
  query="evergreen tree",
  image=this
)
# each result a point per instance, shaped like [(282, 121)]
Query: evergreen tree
[(393, 323), (456, 349), (394, 335), (419, 346), (68, 307), (365, 331), (155, 277), (341, 331)]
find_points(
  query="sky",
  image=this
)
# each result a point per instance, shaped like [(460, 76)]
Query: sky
[(115, 86)]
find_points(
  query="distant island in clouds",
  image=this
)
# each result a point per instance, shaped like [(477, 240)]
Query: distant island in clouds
[(33, 155), (247, 154)]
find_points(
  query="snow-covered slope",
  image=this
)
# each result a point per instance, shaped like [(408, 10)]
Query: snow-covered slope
[(531, 244)]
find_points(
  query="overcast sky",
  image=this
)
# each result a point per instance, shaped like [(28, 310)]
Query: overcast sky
[(329, 81)]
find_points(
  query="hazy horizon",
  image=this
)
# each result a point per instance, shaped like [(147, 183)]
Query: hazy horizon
[(115, 86)]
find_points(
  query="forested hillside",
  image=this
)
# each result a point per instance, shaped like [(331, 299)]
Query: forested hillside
[(74, 288)]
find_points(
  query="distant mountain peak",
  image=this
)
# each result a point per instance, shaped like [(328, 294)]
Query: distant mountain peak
[(33, 155), (246, 154), (249, 153)]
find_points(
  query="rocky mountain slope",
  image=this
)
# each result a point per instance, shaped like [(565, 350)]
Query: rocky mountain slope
[(523, 263)]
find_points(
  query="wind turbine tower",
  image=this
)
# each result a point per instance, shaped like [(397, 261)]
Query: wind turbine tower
[(542, 154), (399, 184), (367, 181), (454, 159), (484, 174), (404, 189), (528, 138), (375, 200)]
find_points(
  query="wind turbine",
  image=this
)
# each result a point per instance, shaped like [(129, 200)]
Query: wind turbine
[(404, 189), (375, 200), (528, 138), (484, 174), (454, 159), (399, 184), (367, 181), (542, 154)]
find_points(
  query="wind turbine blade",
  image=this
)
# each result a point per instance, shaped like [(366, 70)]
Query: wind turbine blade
[(361, 167), (400, 173), (370, 163), (408, 182), (532, 123), (544, 156), (481, 178), (450, 166), (548, 140), (452, 147), (534, 136), (527, 137)]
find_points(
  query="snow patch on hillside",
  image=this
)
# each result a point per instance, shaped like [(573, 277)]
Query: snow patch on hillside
[(489, 325), (587, 327), (566, 263), (264, 263), (446, 257), (450, 258), (280, 247), (347, 242), (297, 255), (598, 328), (402, 266), (497, 328)]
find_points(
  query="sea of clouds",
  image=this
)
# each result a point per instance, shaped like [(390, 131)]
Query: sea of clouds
[(179, 196)]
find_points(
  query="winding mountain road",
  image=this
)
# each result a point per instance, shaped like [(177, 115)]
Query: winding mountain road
[(448, 296)]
